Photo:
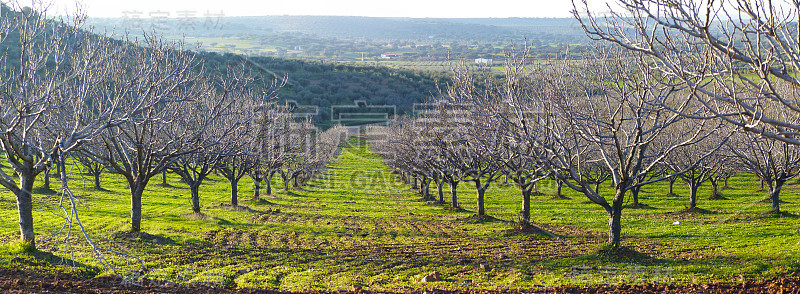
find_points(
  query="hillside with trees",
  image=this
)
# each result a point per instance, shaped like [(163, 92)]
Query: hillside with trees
[(316, 84), (351, 38), (324, 84)]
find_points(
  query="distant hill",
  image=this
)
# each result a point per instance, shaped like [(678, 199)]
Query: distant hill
[(358, 38), (358, 27), (319, 87)]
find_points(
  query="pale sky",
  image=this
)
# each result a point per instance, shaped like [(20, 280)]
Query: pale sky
[(403, 8)]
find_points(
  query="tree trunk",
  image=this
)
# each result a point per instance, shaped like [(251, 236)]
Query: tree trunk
[(671, 184), (426, 191), (285, 182), (693, 195), (257, 190), (526, 205), (714, 187), (597, 188), (136, 207), (234, 191), (440, 187), (725, 185), (453, 191), (46, 179), (25, 209), (774, 196), (164, 178), (635, 196), (615, 221), (481, 192), (195, 198), (97, 181), (414, 184), (268, 182), (558, 191)]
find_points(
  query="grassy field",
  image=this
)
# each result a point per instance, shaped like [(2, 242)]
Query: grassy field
[(357, 225)]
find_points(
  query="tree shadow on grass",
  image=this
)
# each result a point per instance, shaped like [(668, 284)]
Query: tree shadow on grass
[(696, 210), (767, 200), (292, 193), (44, 191), (639, 206), (455, 209), (223, 222), (196, 216), (239, 208), (260, 201), (559, 197), (622, 254), (776, 214), (529, 229), (753, 217), (142, 237), (314, 186), (302, 189), (717, 196), (482, 219), (607, 262), (100, 189), (45, 261), (431, 202)]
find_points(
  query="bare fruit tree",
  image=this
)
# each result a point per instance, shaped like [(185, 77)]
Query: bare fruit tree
[(213, 119), (49, 102), (268, 150), (223, 124), (732, 56), (597, 108), (773, 162), (158, 77), (298, 148), (486, 150), (408, 146), (695, 175), (524, 170), (93, 166), (432, 147), (447, 134)]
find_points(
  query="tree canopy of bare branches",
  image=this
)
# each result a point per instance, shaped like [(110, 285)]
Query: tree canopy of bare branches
[(600, 109), (732, 57), (51, 97)]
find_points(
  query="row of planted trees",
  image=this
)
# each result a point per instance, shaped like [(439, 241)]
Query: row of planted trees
[(139, 107), (606, 117)]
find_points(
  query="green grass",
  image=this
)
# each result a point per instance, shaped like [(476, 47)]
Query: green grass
[(357, 224)]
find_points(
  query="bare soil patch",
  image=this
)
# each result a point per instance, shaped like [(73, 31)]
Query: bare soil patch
[(20, 281)]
